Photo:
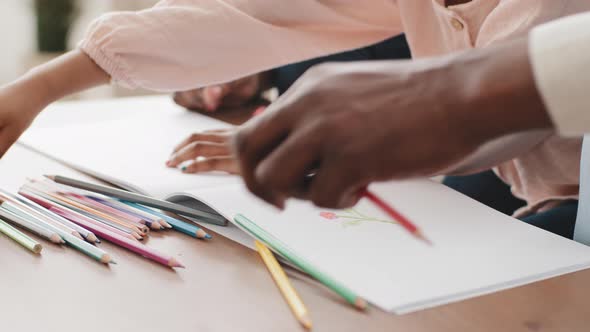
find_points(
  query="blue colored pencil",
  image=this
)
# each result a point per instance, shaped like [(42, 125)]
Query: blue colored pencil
[(176, 224)]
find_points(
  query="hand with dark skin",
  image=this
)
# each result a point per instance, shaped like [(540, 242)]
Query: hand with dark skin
[(352, 124)]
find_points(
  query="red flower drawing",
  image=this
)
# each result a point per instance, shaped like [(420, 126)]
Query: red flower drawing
[(328, 215)]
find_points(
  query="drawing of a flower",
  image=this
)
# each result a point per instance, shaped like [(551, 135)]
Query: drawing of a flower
[(352, 217), (328, 215)]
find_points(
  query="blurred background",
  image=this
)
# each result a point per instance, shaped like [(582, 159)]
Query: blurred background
[(34, 31)]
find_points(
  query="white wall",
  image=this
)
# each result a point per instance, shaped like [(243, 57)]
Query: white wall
[(17, 30)]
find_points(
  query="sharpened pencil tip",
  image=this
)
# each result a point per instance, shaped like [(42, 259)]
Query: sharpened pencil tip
[(201, 234), (175, 264), (50, 177), (305, 321), (360, 304), (208, 237), (423, 238)]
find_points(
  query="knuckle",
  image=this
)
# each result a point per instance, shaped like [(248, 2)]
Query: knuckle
[(194, 137)]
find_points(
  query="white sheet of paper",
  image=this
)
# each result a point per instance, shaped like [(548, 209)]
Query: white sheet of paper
[(130, 143), (476, 249)]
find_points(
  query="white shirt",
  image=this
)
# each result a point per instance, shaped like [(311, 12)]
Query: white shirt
[(560, 57)]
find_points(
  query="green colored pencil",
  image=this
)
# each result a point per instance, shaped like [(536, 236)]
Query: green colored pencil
[(280, 248), (20, 237)]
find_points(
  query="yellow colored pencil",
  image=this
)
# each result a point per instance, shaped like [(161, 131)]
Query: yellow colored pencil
[(20, 237), (289, 293)]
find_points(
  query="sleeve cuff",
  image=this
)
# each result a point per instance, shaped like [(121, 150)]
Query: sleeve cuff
[(99, 31)]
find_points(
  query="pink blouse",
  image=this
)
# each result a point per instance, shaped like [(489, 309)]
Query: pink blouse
[(184, 44)]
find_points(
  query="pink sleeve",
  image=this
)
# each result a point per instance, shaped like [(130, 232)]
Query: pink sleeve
[(184, 44)]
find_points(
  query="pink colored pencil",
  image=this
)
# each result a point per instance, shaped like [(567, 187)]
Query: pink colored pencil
[(105, 208), (81, 219), (105, 217), (112, 236)]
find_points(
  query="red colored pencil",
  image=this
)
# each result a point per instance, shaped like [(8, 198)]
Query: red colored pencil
[(401, 219)]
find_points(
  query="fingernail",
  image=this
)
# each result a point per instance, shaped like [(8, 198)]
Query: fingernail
[(169, 163)]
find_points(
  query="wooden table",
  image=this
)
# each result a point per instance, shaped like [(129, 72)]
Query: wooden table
[(226, 288)]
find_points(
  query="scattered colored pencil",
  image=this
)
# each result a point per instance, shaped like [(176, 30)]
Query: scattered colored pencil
[(31, 213), (280, 278), (109, 234), (280, 248), (20, 237), (141, 199), (401, 219), (86, 234), (115, 204), (81, 219), (71, 240), (177, 225), (6, 212), (80, 207)]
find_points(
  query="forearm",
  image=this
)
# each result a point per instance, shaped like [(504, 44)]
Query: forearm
[(65, 75)]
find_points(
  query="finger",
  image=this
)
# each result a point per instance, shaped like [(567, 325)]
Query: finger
[(213, 96), (206, 136), (223, 164), (336, 185), (285, 170), (226, 131), (190, 99), (253, 142), (198, 149)]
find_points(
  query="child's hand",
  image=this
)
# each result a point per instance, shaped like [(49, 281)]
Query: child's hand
[(232, 94), (211, 98), (17, 111), (204, 152)]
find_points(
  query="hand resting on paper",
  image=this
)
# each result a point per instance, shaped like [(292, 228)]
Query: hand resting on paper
[(205, 152), (227, 95)]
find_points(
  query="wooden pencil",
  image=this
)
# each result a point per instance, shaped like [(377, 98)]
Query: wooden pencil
[(38, 215), (393, 213), (86, 234), (177, 225), (116, 204), (284, 251), (20, 218), (280, 278), (72, 241), (80, 208), (28, 224), (106, 204), (122, 241), (138, 222), (82, 220), (91, 211), (20, 238), (141, 199)]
